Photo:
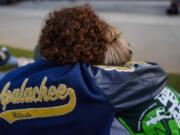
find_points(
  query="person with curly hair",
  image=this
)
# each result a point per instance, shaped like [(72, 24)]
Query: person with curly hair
[(78, 34), (78, 87)]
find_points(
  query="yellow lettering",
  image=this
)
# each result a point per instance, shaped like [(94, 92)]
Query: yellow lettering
[(52, 93), (43, 91), (37, 94), (28, 95), (22, 90), (62, 91), (15, 96), (5, 97)]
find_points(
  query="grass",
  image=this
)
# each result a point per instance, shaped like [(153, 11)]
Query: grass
[(6, 68), (173, 81), (19, 52)]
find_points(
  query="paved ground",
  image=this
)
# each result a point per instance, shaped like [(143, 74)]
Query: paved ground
[(153, 35)]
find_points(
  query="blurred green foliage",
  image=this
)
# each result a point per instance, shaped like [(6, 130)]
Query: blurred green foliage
[(174, 81), (17, 52)]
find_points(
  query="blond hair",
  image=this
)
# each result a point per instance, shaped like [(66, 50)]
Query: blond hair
[(118, 51)]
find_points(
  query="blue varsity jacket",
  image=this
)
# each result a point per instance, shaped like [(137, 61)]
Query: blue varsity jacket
[(44, 98)]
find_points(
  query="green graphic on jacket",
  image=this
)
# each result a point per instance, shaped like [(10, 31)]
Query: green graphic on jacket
[(160, 118)]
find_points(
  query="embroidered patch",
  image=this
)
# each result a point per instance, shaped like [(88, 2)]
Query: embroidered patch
[(35, 95)]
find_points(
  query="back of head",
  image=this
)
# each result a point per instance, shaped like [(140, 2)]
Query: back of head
[(73, 34), (77, 34)]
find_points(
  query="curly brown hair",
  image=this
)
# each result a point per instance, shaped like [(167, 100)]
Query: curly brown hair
[(74, 34)]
